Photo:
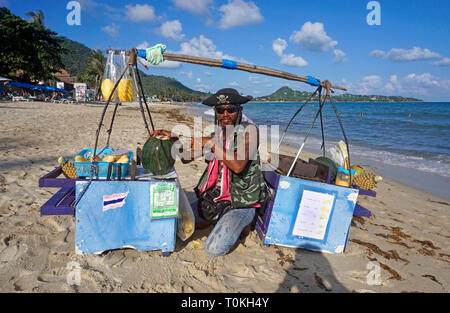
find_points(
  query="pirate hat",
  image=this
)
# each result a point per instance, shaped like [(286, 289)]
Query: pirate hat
[(226, 96)]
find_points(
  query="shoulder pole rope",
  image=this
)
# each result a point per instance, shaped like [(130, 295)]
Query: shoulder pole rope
[(343, 132), (298, 111), (92, 169), (142, 90), (321, 103), (321, 125), (133, 71)]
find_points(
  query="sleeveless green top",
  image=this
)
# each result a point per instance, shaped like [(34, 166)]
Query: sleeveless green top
[(247, 187)]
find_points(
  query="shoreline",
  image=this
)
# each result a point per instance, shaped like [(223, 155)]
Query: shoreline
[(407, 234), (425, 181)]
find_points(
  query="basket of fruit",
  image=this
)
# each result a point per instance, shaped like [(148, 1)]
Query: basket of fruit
[(83, 162)]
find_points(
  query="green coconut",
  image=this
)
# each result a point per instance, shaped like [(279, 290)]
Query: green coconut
[(157, 155), (330, 163)]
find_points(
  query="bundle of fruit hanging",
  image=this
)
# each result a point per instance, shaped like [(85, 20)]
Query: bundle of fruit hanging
[(363, 180)]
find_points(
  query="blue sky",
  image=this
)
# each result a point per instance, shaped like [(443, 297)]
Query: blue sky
[(407, 55)]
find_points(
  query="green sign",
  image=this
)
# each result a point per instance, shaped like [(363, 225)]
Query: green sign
[(164, 200)]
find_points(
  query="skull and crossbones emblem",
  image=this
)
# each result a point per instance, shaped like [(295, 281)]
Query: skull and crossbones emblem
[(222, 99)]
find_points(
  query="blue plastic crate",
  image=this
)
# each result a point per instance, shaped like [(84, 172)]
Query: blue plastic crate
[(83, 169)]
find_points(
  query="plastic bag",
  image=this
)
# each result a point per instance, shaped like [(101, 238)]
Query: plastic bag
[(154, 54), (339, 154), (186, 218), (126, 87), (109, 77)]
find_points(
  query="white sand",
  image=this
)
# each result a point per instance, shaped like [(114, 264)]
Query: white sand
[(407, 235)]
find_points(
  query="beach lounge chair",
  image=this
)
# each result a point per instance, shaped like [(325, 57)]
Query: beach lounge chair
[(18, 98)]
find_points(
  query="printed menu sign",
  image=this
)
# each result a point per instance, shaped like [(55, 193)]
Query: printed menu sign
[(313, 215), (163, 201)]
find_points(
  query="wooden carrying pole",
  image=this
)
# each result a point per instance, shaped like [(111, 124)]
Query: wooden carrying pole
[(239, 66)]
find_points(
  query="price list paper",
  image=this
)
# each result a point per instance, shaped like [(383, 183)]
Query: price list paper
[(313, 215)]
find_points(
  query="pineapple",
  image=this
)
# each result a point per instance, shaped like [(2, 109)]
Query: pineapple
[(366, 181), (68, 168)]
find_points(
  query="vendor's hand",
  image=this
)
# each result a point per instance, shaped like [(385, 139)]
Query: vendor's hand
[(163, 132), (200, 143), (210, 144)]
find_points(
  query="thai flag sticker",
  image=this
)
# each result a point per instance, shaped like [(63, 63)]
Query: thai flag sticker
[(114, 201)]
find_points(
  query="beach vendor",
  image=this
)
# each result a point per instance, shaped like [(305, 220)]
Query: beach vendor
[(232, 188)]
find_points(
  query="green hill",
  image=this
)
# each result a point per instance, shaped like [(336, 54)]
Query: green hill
[(288, 94), (75, 61)]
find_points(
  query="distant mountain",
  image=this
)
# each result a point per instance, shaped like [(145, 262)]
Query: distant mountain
[(288, 94), (167, 87), (76, 62)]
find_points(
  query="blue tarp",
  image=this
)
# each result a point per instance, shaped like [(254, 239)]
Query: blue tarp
[(35, 87), (20, 85)]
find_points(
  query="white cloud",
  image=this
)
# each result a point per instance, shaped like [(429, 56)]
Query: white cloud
[(258, 79), (239, 13), (143, 45), (313, 37), (203, 47), (234, 84), (141, 13), (112, 30), (193, 6), (199, 80), (402, 55), (207, 73), (292, 60), (425, 79), (254, 79), (172, 29), (443, 62), (339, 55), (278, 46), (411, 85), (187, 74), (378, 54), (203, 87)]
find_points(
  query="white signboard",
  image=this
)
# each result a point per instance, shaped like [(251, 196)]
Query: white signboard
[(60, 85), (313, 215), (80, 91)]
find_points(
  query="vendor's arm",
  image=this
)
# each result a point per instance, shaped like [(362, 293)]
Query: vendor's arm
[(196, 149), (238, 161)]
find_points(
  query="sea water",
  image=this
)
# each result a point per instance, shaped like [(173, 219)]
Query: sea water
[(409, 142)]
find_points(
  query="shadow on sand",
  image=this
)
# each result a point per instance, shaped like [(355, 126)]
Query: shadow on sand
[(309, 271)]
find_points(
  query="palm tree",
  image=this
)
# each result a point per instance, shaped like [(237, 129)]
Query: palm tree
[(37, 17), (93, 74), (95, 69)]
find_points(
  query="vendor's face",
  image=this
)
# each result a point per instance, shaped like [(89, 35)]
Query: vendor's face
[(225, 117)]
